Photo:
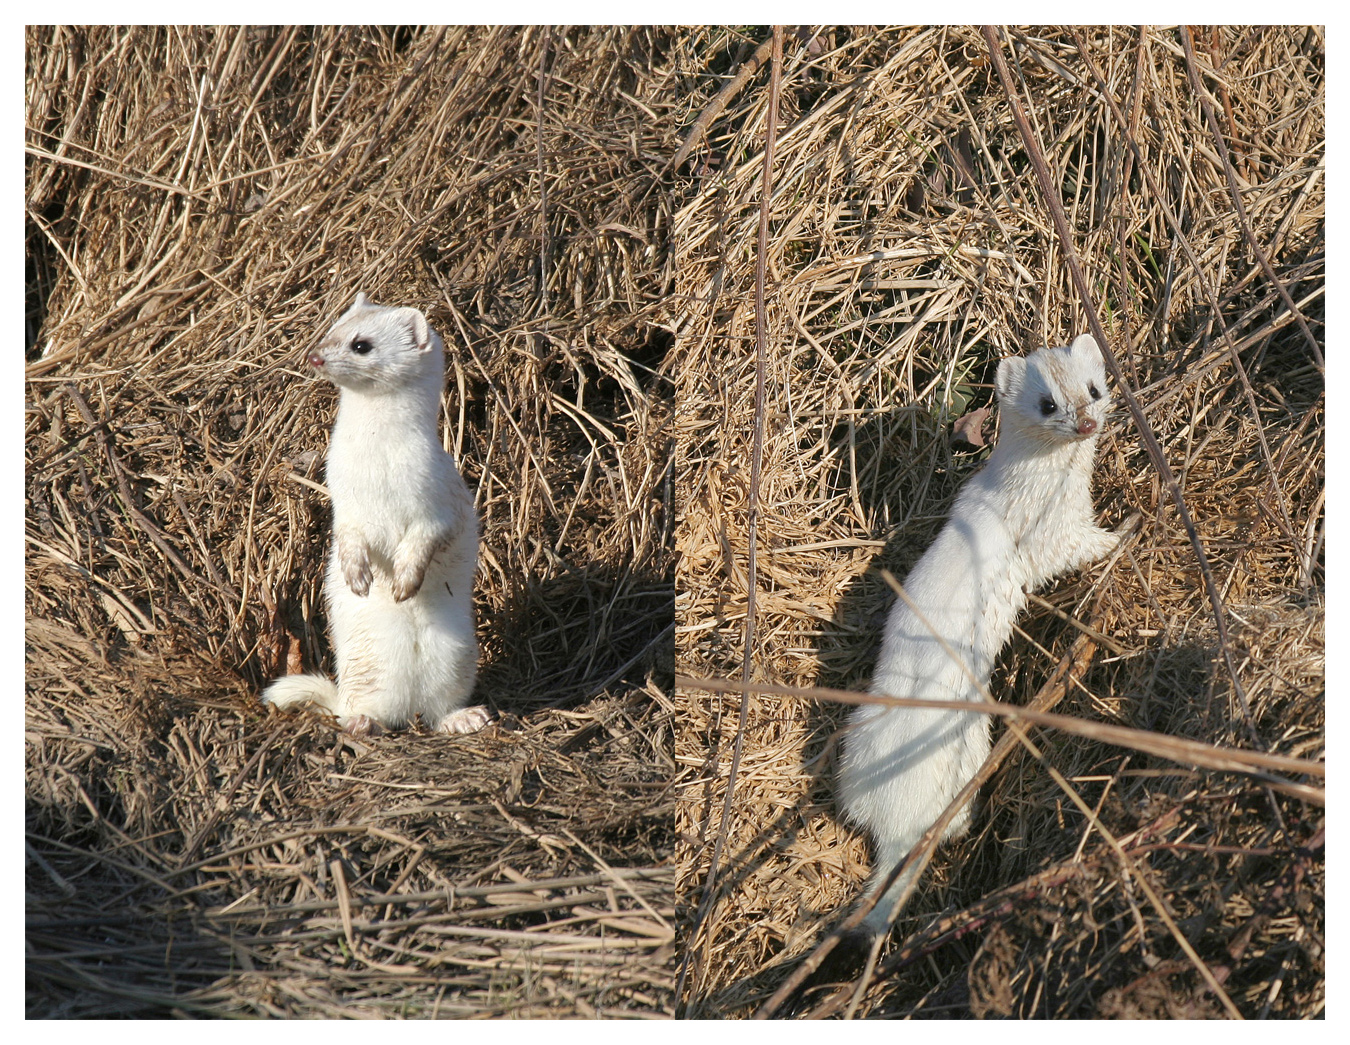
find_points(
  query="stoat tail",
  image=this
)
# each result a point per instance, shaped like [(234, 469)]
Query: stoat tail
[(290, 690), (890, 852)]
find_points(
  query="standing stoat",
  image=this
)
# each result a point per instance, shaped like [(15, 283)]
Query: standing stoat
[(399, 586), (1023, 519)]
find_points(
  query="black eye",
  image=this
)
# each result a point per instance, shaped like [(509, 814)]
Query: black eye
[(361, 346), (1092, 391), (1047, 406)]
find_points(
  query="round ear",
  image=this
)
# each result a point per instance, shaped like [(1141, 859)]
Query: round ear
[(417, 323), (361, 302), (1010, 377), (1085, 347)]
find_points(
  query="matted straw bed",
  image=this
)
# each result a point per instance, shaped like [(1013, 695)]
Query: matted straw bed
[(201, 203)]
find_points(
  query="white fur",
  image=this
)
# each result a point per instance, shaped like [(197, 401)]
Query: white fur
[(399, 585), (1022, 520)]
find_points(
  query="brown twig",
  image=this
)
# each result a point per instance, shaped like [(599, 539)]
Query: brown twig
[(1239, 208), (752, 507), (1163, 745), (1050, 694), (699, 128), (1066, 244), (543, 176)]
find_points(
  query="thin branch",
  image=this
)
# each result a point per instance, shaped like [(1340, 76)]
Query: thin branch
[(543, 181), (1248, 762), (1150, 441), (756, 457), (1233, 190), (699, 128)]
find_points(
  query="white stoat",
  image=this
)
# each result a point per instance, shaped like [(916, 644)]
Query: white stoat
[(1023, 519), (399, 587)]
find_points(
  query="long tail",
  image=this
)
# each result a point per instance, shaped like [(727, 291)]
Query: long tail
[(889, 854), (290, 690)]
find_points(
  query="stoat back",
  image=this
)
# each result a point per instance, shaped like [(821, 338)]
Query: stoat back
[(1023, 519)]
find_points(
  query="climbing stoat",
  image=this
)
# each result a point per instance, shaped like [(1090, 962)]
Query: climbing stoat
[(1023, 519), (399, 586)]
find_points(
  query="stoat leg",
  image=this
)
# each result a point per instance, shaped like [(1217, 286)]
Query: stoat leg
[(1111, 540), (465, 720), (1100, 543)]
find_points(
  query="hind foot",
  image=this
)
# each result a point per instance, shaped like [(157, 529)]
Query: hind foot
[(465, 720), (362, 726)]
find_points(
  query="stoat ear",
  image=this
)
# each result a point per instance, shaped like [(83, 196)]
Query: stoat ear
[(1010, 377), (1085, 347), (361, 302), (417, 323)]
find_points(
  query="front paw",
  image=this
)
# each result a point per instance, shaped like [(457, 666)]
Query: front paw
[(406, 585), (354, 558), (357, 576), (408, 576)]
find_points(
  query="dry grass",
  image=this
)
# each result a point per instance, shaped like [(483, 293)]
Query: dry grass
[(201, 203), (910, 248)]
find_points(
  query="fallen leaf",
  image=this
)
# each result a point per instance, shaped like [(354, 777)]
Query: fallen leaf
[(970, 427)]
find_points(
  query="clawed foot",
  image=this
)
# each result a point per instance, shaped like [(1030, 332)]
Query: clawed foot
[(465, 720), (406, 586), (362, 726), (355, 567), (409, 572)]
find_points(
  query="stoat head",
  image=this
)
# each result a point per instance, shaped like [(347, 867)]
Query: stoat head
[(1055, 394), (377, 348)]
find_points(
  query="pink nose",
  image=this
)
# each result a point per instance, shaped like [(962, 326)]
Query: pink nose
[(315, 359), (1086, 426)]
